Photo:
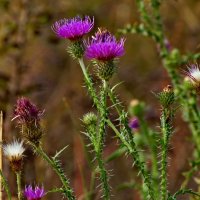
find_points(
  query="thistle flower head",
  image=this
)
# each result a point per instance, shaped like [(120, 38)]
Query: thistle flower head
[(34, 193), (26, 112), (73, 29), (134, 123), (14, 152), (104, 46)]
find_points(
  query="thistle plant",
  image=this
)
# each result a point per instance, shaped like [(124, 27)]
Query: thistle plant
[(132, 132), (28, 118)]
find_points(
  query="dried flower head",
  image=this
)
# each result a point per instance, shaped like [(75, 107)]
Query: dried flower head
[(104, 46), (28, 117), (193, 74), (34, 193), (26, 112), (14, 152), (73, 29), (134, 123)]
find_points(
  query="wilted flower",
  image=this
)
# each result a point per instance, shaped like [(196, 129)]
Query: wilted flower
[(14, 152), (104, 46), (134, 123), (26, 112), (28, 117), (73, 29), (34, 193)]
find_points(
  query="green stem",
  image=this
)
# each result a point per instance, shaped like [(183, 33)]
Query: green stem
[(166, 132), (101, 137), (19, 189), (67, 191), (132, 148), (89, 84), (135, 155), (130, 144), (102, 108), (5, 184)]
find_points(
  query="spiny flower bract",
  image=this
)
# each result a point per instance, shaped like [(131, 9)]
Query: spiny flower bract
[(74, 28), (34, 193), (104, 46), (14, 150)]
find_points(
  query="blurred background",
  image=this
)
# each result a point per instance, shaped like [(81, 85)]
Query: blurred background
[(34, 63)]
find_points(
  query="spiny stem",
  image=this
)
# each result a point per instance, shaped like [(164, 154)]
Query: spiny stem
[(130, 144), (19, 189), (166, 132), (5, 185), (89, 84), (132, 149), (67, 191), (101, 137)]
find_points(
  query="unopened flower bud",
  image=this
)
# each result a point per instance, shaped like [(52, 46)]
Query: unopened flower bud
[(90, 119), (134, 123), (136, 108), (166, 97)]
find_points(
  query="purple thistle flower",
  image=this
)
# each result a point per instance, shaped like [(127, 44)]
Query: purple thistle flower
[(26, 112), (34, 193), (73, 29), (104, 46), (134, 123)]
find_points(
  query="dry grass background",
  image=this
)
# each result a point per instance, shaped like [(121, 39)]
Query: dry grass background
[(33, 62)]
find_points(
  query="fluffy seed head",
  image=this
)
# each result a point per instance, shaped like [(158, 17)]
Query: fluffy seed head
[(73, 29), (104, 46), (14, 152), (34, 193), (194, 74)]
